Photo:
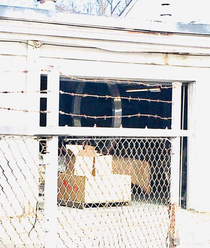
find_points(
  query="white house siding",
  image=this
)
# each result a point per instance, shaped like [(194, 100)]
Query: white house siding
[(199, 166), (138, 66), (20, 195), (178, 68), (119, 49), (13, 62)]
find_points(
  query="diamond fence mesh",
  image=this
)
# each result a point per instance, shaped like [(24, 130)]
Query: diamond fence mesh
[(118, 191), (21, 220), (111, 192)]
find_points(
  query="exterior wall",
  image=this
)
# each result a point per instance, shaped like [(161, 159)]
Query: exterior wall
[(12, 80), (178, 69), (85, 50), (15, 59), (199, 165)]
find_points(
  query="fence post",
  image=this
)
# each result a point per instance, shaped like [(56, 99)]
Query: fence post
[(175, 164), (53, 85), (50, 204)]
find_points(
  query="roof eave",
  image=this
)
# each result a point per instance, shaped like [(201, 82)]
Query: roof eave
[(54, 17)]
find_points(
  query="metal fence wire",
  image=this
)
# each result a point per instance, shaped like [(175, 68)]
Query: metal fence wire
[(21, 219), (111, 192)]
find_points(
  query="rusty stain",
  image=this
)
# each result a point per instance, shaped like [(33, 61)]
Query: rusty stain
[(166, 59), (149, 32)]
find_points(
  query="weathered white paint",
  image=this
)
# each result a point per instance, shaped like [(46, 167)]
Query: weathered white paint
[(53, 85), (22, 30), (32, 86), (175, 156), (110, 54), (89, 131), (115, 132), (129, 71), (13, 48), (51, 194), (192, 153), (198, 166), (92, 47), (14, 81), (21, 195)]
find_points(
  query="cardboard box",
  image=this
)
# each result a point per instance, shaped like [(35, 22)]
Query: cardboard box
[(73, 189), (88, 179), (79, 160), (85, 161), (83, 166), (108, 188), (139, 171), (70, 188), (102, 165)]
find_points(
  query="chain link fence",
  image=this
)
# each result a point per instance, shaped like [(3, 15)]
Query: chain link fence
[(21, 220), (111, 192)]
